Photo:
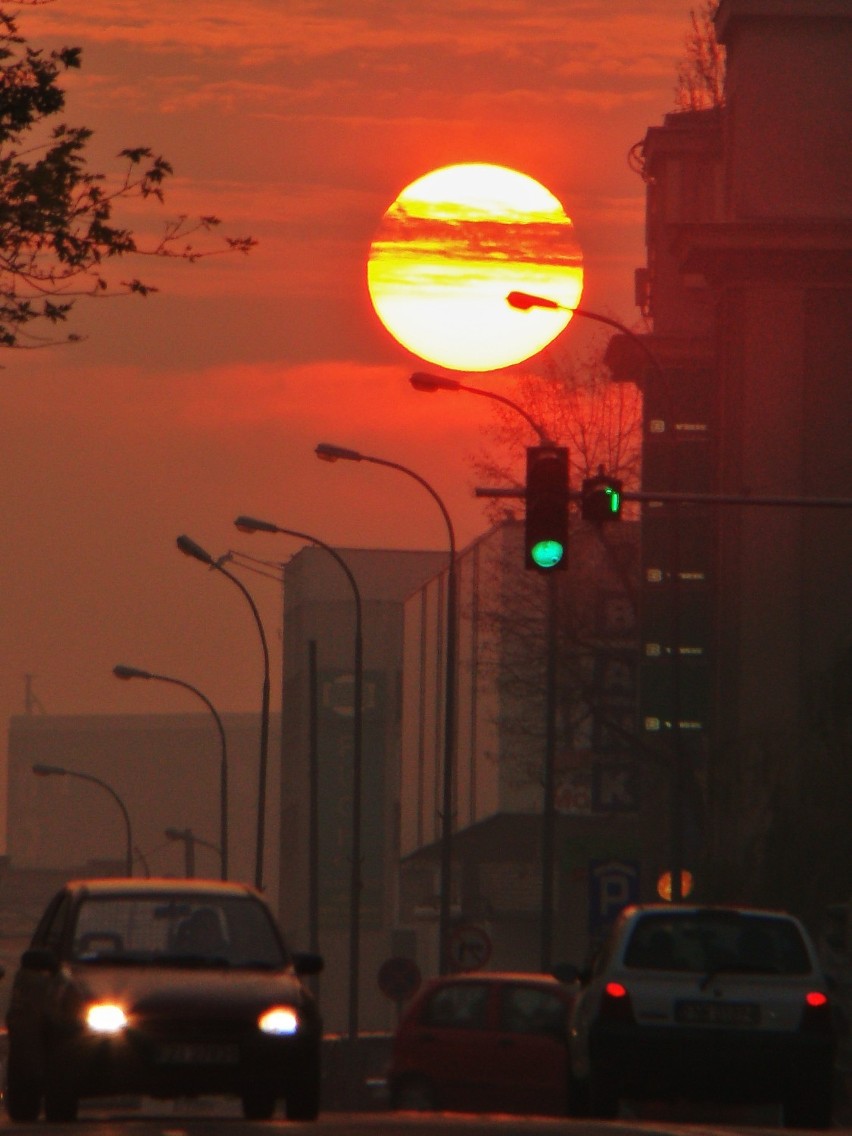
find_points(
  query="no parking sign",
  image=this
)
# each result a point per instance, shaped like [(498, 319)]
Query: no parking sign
[(469, 948)]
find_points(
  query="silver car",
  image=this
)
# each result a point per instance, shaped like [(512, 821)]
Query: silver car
[(714, 1003)]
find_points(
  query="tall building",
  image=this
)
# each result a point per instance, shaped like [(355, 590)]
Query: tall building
[(317, 783), (747, 609)]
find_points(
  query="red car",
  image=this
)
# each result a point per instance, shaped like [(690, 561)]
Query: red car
[(484, 1042)]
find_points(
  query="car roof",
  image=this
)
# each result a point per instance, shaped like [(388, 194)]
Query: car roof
[(495, 976), (703, 908), (157, 885)]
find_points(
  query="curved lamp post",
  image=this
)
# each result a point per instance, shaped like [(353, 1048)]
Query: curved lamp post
[(429, 383), (125, 672), (424, 381), (523, 301), (190, 548), (327, 452), (59, 771), (252, 525)]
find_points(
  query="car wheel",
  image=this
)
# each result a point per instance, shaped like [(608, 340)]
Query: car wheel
[(808, 1104), (258, 1103), (60, 1105), (23, 1093), (603, 1095), (301, 1093), (578, 1096), (61, 1100), (302, 1101), (414, 1094)]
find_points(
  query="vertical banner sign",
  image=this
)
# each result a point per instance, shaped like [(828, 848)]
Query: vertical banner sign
[(335, 753)]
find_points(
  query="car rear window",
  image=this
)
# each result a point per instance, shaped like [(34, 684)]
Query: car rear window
[(706, 942), (462, 1006), (529, 1009)]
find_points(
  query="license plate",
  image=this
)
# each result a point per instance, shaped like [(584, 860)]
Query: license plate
[(197, 1053), (718, 1013)]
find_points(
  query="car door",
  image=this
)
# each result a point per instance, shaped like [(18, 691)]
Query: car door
[(530, 1071), (452, 1046), (37, 989)]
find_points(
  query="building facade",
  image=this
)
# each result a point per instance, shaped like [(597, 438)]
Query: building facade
[(747, 609)]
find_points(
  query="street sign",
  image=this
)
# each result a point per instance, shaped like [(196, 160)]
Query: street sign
[(399, 978), (469, 948), (613, 884)]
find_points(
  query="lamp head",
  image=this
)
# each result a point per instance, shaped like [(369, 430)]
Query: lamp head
[(523, 301), (190, 548), (325, 451), (424, 381), (122, 671), (177, 833), (253, 525), (48, 770)]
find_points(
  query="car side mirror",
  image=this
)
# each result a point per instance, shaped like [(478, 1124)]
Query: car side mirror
[(41, 959), (566, 972), (307, 963)]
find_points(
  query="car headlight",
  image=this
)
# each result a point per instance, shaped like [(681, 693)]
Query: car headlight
[(106, 1017), (280, 1020)]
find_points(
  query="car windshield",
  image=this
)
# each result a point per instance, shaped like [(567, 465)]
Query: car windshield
[(707, 942), (177, 929)]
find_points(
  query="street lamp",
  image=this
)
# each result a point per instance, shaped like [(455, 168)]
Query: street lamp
[(125, 672), (190, 548), (524, 301), (327, 452), (252, 525), (424, 381), (59, 771), (427, 382), (189, 842)]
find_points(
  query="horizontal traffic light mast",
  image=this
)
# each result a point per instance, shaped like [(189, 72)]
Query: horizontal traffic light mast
[(692, 498)]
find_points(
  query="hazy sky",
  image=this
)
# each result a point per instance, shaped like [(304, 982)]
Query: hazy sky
[(298, 122)]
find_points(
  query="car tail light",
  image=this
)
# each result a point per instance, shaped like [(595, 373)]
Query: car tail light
[(615, 1003), (816, 1013)]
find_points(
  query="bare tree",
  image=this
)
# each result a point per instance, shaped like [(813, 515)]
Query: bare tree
[(576, 403), (701, 73)]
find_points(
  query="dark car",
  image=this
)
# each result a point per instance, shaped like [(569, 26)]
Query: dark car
[(714, 1003), (163, 988), (484, 1042)]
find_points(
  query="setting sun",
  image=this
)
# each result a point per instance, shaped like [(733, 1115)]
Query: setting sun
[(451, 247)]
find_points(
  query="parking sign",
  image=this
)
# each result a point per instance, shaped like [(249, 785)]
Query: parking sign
[(613, 884)]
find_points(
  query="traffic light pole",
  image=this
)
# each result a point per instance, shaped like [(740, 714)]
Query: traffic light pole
[(548, 830), (697, 498)]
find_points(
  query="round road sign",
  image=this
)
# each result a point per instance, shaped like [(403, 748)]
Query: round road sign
[(399, 978), (469, 947)]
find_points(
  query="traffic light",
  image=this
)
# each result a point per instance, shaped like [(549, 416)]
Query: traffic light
[(602, 498), (546, 536)]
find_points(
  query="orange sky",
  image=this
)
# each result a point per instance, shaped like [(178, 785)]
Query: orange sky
[(298, 123)]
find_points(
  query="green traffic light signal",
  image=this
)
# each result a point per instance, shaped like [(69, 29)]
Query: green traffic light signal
[(547, 553), (601, 499), (613, 495)]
